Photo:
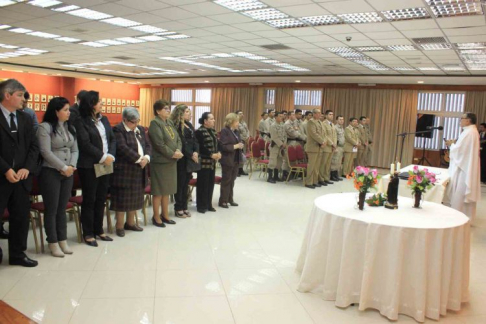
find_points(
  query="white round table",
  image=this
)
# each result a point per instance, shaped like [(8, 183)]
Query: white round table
[(406, 261)]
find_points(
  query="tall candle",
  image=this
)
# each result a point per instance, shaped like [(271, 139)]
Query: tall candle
[(399, 166), (392, 168)]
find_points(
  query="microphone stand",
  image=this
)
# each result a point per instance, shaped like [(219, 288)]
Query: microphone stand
[(403, 135)]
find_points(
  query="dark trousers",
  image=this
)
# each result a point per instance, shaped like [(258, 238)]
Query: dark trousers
[(94, 192), (183, 178), (205, 188), (229, 175), (56, 191), (15, 198), (483, 166)]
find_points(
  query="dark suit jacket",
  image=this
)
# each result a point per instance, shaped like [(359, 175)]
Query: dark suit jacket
[(25, 152), (90, 144), (228, 139), (74, 110), (126, 171)]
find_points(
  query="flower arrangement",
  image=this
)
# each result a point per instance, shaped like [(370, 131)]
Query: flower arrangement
[(420, 180), (365, 178), (376, 200)]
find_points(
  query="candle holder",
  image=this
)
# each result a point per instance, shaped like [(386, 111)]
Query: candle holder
[(392, 192)]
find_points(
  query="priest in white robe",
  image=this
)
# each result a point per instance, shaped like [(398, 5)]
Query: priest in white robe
[(464, 189)]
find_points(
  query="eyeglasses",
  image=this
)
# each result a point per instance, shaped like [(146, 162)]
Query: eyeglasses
[(134, 121), (166, 108)]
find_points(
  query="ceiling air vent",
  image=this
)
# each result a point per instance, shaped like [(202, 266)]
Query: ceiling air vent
[(275, 47), (125, 58), (429, 40)]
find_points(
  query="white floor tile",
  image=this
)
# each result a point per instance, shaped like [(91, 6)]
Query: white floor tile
[(9, 276), (253, 281), (56, 311), (241, 259), (120, 284), (185, 259), (185, 283)]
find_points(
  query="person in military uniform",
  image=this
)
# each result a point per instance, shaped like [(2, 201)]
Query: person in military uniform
[(331, 138), (316, 142), (285, 117), (351, 145), (308, 116), (337, 156), (261, 125), (278, 148), (244, 135), (269, 122), (363, 138), (369, 148)]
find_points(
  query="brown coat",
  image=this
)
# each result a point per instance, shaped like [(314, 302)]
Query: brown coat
[(351, 138), (331, 136), (228, 139), (315, 136)]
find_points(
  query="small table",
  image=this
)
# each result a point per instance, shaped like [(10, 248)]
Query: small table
[(406, 261), (435, 194)]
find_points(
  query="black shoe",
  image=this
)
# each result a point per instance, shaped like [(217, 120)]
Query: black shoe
[(134, 228), (157, 224), (3, 233), (90, 243), (168, 221), (241, 172), (329, 182), (323, 183), (310, 186), (105, 238), (24, 262), (211, 209), (233, 204), (201, 211), (223, 205), (317, 185), (270, 180)]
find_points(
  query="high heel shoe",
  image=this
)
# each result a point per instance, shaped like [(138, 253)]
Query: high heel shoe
[(179, 213), (157, 224), (90, 243), (211, 209), (105, 238)]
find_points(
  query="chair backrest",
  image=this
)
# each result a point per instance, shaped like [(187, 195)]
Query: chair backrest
[(255, 150), (292, 154), (250, 141), (300, 153), (35, 187), (261, 143), (76, 181), (267, 149)]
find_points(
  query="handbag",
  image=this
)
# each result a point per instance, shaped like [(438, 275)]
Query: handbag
[(192, 166)]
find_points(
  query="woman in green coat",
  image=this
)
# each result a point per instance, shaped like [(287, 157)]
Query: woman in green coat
[(166, 150)]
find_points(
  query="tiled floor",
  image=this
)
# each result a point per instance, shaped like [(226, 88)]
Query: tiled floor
[(232, 266)]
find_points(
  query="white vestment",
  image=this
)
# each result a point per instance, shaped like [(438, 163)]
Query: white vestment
[(464, 189)]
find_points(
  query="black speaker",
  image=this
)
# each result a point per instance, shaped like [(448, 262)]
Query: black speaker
[(424, 121)]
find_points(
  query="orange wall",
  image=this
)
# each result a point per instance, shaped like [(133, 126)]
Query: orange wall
[(68, 87)]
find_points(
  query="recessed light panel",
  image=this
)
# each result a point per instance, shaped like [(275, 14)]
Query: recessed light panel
[(20, 30), (361, 18), (89, 14), (403, 68), (453, 8), (68, 39), (178, 36), (322, 20), (265, 14), (131, 40), (148, 29), (435, 46), (65, 8), (401, 48), (111, 42), (152, 38), (466, 46), (406, 14), (44, 3), (122, 22), (286, 23), (5, 26), (241, 5), (94, 44), (428, 68), (370, 49), (43, 35)]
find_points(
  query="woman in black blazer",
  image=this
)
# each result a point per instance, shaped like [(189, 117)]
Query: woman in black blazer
[(96, 144)]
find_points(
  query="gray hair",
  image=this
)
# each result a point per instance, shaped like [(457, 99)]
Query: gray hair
[(316, 111), (130, 114), (10, 86)]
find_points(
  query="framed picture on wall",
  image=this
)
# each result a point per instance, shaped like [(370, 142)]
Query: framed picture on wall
[(43, 98), (103, 109), (108, 101), (36, 97), (118, 110), (43, 107), (103, 101), (29, 105), (113, 101), (36, 106), (108, 110), (49, 98), (118, 102), (124, 103), (132, 103), (138, 103)]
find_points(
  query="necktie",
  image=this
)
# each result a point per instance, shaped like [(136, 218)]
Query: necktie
[(13, 126)]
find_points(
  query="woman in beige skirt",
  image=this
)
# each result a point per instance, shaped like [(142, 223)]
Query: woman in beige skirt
[(166, 150)]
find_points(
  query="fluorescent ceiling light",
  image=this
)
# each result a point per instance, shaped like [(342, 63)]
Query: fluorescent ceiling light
[(428, 68), (93, 44), (361, 18), (223, 55), (5, 26), (148, 29), (435, 46), (406, 14), (65, 8), (122, 22), (466, 46), (370, 49), (152, 38), (20, 30), (453, 8), (341, 49), (322, 20), (4, 3), (89, 14), (68, 39), (285, 23), (131, 40), (179, 36), (241, 5), (403, 68), (401, 48), (44, 3), (111, 42), (43, 35), (265, 14), (8, 46), (165, 33), (453, 68), (270, 61)]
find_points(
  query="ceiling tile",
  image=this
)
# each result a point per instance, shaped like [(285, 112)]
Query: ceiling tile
[(452, 22), (374, 27), (174, 13), (415, 24), (203, 22), (305, 31), (206, 8), (465, 31), (232, 18), (337, 29), (347, 6), (381, 5), (385, 35), (304, 10), (423, 33), (253, 26)]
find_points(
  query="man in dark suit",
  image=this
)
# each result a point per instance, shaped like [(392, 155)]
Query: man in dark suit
[(482, 137), (74, 109), (19, 153)]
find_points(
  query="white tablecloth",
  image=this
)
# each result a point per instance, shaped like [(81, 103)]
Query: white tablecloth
[(436, 194), (405, 261)]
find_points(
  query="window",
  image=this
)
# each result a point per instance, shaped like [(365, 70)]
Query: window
[(303, 99), (448, 109), (269, 99), (197, 100)]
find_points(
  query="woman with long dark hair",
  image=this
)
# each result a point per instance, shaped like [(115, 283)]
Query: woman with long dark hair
[(210, 155), (97, 146), (181, 116), (59, 150)]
